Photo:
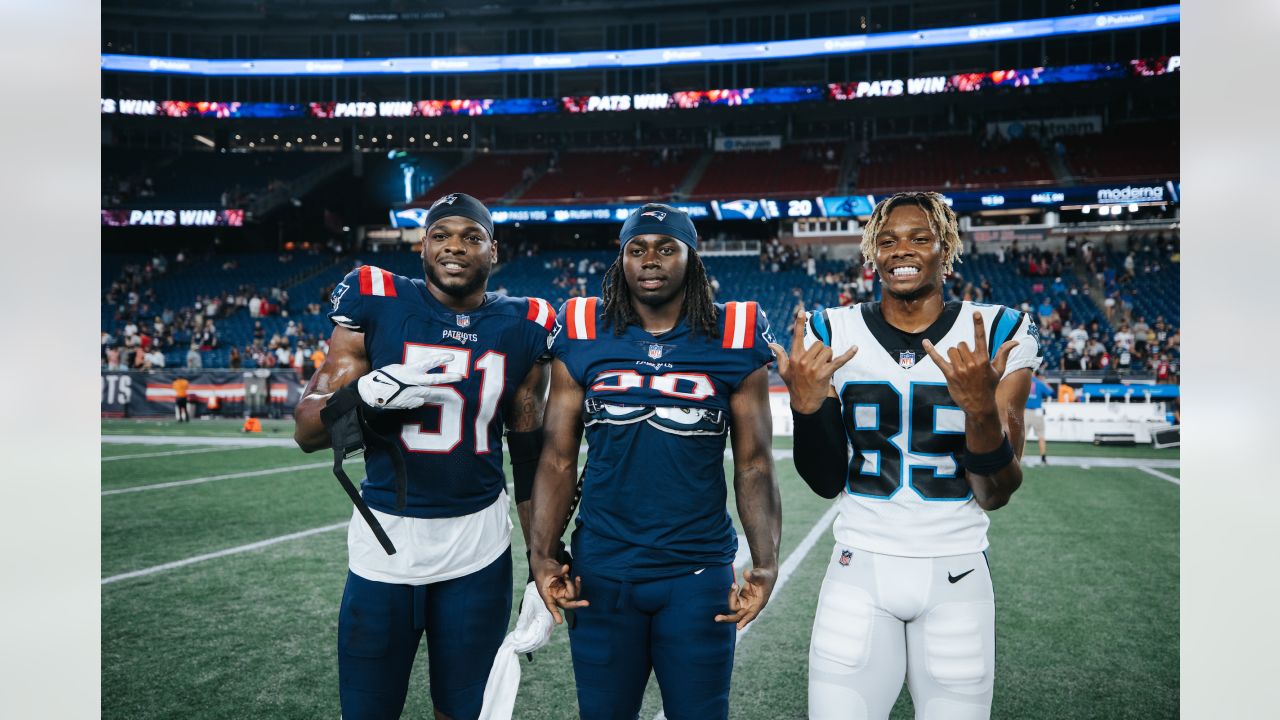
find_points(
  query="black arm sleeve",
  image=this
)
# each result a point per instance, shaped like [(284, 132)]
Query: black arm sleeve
[(821, 452)]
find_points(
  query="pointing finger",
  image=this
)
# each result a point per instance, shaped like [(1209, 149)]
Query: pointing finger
[(943, 365), (979, 334), (797, 332), (844, 357)]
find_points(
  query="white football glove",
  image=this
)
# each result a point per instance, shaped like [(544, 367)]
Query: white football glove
[(405, 387)]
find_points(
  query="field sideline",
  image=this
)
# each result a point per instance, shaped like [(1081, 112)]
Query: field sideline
[(223, 561)]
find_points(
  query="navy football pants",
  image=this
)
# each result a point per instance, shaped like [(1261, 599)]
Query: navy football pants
[(381, 624), (666, 626)]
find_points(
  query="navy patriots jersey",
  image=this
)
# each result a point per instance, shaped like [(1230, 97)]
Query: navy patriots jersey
[(656, 415), (452, 450)]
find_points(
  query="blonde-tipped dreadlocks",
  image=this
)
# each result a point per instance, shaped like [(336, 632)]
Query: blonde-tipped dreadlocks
[(942, 221)]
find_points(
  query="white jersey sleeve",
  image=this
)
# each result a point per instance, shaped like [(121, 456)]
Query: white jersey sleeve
[(1028, 353)]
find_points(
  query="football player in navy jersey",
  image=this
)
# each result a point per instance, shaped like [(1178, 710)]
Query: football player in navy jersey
[(930, 396), (429, 374), (657, 374)]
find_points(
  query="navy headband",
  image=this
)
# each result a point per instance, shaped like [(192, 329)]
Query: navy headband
[(461, 205), (659, 219)]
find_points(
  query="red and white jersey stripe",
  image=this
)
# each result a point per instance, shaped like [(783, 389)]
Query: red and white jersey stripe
[(541, 312), (376, 281), (739, 325), (580, 318)]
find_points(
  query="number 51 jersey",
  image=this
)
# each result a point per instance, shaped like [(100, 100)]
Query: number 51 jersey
[(906, 492)]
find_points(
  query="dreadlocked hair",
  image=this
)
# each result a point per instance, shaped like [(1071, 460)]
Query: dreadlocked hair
[(942, 221), (699, 305)]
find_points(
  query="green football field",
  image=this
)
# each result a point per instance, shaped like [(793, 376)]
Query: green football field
[(223, 566)]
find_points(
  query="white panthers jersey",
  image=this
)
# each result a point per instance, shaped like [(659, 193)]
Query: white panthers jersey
[(906, 493)]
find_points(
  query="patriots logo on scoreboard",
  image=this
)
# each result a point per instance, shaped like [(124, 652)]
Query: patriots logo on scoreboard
[(906, 359), (655, 351), (845, 557), (463, 320), (661, 215)]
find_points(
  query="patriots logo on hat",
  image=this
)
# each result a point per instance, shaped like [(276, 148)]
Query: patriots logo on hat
[(660, 214), (655, 351), (906, 359), (845, 556), (463, 320), (447, 200)]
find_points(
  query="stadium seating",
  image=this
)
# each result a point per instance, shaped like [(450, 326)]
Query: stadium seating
[(1134, 151), (609, 176), (198, 179), (795, 169), (951, 162), (488, 177)]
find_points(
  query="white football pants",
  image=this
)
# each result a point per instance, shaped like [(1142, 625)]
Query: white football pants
[(881, 617)]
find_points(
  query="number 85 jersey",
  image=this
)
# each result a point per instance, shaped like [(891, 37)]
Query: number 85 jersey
[(906, 493)]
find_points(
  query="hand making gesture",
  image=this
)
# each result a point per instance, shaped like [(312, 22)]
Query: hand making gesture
[(557, 589), (807, 372), (745, 603), (971, 377)]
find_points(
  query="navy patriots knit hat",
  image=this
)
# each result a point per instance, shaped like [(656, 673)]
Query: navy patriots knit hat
[(659, 219), (461, 205)]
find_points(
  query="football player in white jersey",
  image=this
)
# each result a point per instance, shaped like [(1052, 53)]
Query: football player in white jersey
[(930, 395)]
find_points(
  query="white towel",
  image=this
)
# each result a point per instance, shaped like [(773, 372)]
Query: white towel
[(533, 631)]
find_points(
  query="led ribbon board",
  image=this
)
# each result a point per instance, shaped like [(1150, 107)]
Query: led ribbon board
[(738, 52)]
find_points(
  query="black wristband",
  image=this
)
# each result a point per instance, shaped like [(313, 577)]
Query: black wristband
[(525, 449), (989, 463), (821, 450)]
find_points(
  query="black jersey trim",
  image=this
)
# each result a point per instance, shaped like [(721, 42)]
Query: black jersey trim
[(894, 341)]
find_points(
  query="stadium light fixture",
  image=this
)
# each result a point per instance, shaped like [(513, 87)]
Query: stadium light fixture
[(435, 143), (1085, 210), (275, 137), (204, 141), (313, 137), (466, 136), (1133, 207)]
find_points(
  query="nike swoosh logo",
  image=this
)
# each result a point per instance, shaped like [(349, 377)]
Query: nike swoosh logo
[(378, 379), (698, 571), (953, 579)]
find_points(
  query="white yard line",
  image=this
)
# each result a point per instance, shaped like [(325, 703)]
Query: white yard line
[(222, 553), (213, 478), (247, 441), (1162, 476), (789, 566), (166, 453)]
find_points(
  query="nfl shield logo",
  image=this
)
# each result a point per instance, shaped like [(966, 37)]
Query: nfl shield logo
[(655, 351), (906, 359), (845, 556), (463, 320)]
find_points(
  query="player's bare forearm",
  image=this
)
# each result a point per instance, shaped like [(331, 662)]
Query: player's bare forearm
[(555, 482), (993, 491), (755, 483), (760, 510), (529, 404), (525, 414), (346, 362)]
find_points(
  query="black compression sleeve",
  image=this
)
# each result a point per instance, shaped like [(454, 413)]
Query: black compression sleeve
[(526, 448), (821, 452)]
